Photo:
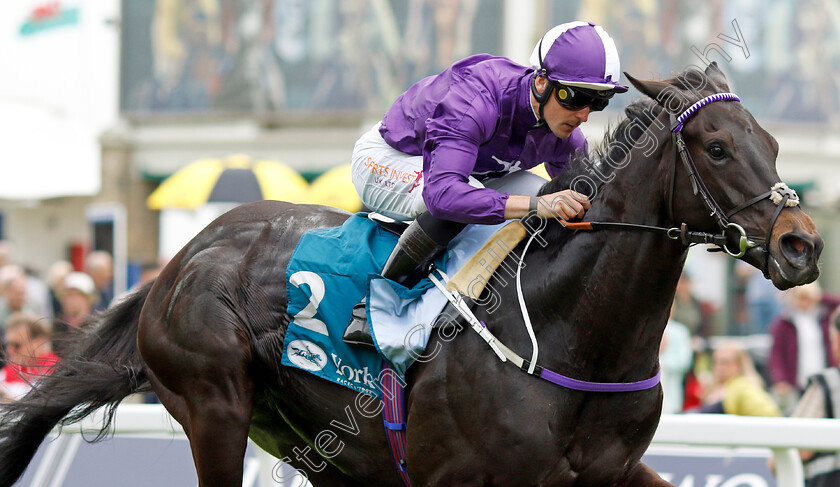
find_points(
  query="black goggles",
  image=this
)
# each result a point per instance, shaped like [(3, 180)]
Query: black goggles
[(579, 98)]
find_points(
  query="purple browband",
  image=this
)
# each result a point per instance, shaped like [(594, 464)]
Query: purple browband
[(700, 104), (579, 385)]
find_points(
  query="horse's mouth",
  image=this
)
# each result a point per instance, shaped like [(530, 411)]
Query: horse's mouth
[(793, 259)]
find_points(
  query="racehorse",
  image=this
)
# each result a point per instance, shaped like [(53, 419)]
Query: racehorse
[(207, 334)]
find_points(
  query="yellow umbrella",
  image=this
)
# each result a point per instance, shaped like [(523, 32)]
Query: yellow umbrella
[(236, 179), (334, 188)]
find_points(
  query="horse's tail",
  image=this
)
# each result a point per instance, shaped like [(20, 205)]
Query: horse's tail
[(101, 367)]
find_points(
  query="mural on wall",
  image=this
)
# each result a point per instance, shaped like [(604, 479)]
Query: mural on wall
[(274, 56), (265, 56)]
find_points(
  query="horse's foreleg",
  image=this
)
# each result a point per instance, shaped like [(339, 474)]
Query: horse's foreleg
[(643, 476)]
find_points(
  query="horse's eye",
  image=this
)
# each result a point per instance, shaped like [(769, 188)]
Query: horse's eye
[(716, 151)]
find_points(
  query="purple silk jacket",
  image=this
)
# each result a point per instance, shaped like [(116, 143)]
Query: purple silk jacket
[(474, 119)]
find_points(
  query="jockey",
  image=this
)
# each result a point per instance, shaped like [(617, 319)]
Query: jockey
[(454, 147)]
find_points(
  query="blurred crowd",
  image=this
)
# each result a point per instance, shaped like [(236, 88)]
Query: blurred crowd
[(786, 341), (39, 313), (784, 362)]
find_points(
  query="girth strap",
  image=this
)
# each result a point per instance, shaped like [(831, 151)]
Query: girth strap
[(393, 416)]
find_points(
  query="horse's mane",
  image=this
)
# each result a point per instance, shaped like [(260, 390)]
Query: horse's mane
[(614, 147)]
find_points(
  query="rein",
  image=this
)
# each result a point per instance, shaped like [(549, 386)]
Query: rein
[(780, 194)]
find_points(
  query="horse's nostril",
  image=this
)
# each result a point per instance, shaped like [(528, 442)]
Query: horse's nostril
[(798, 245), (795, 249)]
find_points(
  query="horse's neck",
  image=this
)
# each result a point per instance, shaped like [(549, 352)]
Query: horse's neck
[(613, 292)]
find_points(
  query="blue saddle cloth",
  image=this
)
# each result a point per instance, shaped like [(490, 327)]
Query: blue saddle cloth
[(330, 271)]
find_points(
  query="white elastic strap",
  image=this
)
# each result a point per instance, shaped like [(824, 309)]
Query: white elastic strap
[(524, 308), (465, 311)]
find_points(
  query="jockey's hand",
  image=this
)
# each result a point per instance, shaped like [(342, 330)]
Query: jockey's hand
[(566, 204)]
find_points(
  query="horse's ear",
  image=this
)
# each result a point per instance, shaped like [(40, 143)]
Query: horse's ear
[(669, 94), (717, 77), (651, 88)]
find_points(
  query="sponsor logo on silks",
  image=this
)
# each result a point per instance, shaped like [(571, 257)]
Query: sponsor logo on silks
[(48, 16), (307, 355), (360, 377)]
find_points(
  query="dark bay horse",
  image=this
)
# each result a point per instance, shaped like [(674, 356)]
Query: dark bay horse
[(207, 334)]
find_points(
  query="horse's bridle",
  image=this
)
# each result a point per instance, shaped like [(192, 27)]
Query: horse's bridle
[(780, 194)]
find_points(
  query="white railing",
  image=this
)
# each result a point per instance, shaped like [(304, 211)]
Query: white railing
[(781, 435)]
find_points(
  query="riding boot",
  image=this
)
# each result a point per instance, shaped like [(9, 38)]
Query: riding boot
[(417, 247)]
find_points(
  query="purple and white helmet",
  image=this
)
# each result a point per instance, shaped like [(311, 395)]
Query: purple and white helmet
[(579, 54)]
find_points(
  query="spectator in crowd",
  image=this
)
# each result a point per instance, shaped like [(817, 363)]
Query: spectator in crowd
[(801, 346), (55, 282), (675, 358), (822, 400), (29, 355), (100, 267), (13, 289), (37, 298), (762, 298), (692, 385), (37, 295), (16, 284), (687, 309), (737, 388), (77, 303)]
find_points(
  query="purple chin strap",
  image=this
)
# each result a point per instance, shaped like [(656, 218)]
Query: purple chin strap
[(700, 104)]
